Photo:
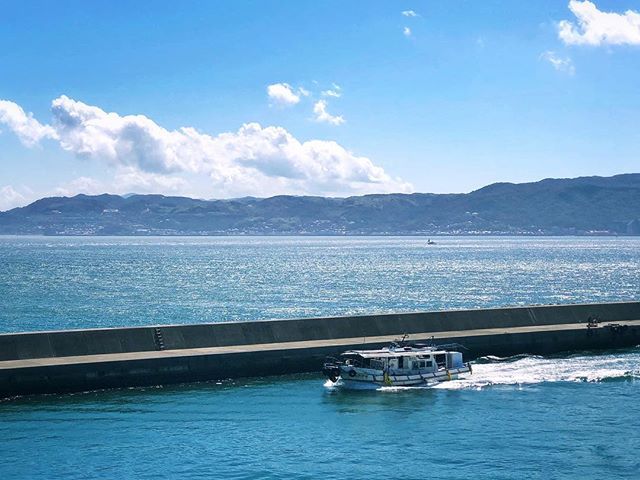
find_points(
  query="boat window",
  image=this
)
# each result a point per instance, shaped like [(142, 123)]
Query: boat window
[(429, 364), (400, 362), (376, 364), (441, 359), (357, 362)]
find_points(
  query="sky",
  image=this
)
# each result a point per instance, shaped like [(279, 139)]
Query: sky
[(258, 98)]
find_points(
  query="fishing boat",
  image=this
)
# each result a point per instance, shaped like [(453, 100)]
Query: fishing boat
[(397, 365)]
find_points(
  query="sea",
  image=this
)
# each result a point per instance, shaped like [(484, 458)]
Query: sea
[(572, 415)]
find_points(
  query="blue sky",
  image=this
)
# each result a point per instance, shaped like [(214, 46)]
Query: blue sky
[(447, 97)]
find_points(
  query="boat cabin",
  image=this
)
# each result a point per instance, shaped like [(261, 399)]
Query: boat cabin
[(405, 359)]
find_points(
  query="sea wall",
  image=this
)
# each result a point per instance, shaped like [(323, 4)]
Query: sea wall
[(67, 361), (175, 337)]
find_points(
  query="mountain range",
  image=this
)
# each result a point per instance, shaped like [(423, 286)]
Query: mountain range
[(578, 206)]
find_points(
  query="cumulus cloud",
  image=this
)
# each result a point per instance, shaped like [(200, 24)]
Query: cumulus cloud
[(132, 140), (406, 32), (561, 64), (409, 13), (595, 27), (254, 160), (321, 114), (10, 198), (27, 128), (282, 94)]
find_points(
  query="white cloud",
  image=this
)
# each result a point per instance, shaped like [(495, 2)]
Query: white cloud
[(282, 94), (406, 32), (28, 129), (599, 28), (255, 160), (303, 91), (336, 93), (132, 140), (129, 179), (559, 63), (125, 180), (410, 13), (320, 110), (10, 198), (86, 185)]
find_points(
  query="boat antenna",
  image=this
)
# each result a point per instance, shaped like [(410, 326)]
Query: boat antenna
[(400, 342)]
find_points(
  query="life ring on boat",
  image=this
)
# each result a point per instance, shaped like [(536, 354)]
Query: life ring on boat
[(352, 373)]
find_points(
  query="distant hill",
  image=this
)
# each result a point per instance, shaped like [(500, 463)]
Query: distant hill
[(586, 205)]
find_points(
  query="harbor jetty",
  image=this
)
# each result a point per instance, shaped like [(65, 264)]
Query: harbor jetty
[(92, 359)]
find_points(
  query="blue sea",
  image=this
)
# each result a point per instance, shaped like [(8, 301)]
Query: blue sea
[(575, 415)]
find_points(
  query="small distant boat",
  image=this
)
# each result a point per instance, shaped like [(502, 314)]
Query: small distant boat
[(397, 366), (430, 242)]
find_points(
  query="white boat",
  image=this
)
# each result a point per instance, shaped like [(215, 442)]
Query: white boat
[(395, 366)]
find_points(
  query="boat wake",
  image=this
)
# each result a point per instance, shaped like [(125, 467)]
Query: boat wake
[(532, 369)]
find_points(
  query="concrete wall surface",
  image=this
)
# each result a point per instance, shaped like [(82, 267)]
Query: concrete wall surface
[(175, 337)]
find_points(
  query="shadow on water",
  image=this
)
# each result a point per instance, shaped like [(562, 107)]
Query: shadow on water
[(121, 397)]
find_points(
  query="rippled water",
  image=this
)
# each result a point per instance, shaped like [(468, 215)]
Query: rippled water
[(570, 416), (528, 417), (50, 283)]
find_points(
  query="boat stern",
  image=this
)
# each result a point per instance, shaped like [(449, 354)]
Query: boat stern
[(331, 370)]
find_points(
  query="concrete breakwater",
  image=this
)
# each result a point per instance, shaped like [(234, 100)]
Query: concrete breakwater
[(80, 360)]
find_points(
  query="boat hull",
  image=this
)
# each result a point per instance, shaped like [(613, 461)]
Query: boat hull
[(363, 379)]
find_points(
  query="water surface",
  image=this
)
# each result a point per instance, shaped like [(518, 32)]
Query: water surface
[(78, 282), (575, 415)]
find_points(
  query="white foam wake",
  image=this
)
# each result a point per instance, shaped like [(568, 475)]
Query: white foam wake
[(524, 370)]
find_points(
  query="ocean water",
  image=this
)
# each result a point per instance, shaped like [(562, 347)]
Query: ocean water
[(51, 283), (575, 415)]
